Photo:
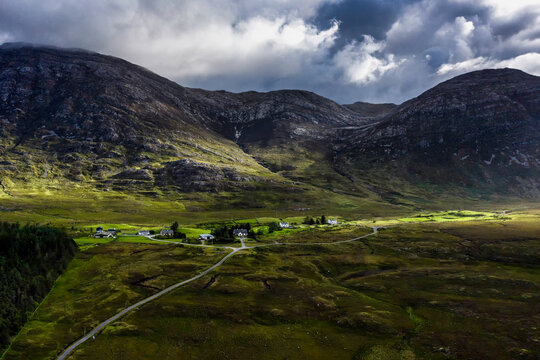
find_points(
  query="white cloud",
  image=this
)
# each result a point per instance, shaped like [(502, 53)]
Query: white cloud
[(527, 62), (270, 44), (505, 8), (364, 62), (465, 66), (457, 37), (181, 39), (277, 46), (4, 38)]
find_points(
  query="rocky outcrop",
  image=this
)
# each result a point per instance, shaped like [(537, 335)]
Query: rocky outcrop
[(135, 174), (188, 175)]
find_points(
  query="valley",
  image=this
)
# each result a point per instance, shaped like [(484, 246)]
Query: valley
[(401, 292), (432, 253)]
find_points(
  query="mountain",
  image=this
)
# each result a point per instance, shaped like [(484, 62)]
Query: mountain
[(73, 119), (478, 131), (93, 124), (371, 110)]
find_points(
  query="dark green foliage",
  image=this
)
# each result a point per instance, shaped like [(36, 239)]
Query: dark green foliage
[(31, 258), (252, 234), (174, 226), (323, 219), (225, 232), (222, 232), (273, 226)]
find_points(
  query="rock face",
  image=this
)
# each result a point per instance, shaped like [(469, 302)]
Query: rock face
[(187, 176), (77, 117)]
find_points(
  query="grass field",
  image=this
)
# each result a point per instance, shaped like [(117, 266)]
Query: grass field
[(98, 282), (427, 290)]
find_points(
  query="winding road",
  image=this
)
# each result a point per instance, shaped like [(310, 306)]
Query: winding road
[(65, 354)]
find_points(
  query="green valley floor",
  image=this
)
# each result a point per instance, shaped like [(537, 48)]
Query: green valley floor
[(453, 285)]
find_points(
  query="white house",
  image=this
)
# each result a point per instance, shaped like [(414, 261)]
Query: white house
[(332, 222), (284, 225), (104, 234), (240, 232), (143, 233), (166, 232), (206, 237)]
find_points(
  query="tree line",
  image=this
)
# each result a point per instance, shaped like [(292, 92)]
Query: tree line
[(225, 233), (308, 220), (31, 258)]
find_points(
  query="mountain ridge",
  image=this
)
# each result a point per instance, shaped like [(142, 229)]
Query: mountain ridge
[(75, 118)]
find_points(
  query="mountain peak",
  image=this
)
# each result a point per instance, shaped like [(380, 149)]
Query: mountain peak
[(26, 45)]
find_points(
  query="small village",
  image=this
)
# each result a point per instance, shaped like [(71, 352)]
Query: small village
[(217, 234)]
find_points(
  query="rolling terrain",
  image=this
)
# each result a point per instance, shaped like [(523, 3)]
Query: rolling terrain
[(90, 140), (105, 129), (456, 285)]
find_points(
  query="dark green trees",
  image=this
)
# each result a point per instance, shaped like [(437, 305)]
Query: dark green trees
[(31, 258)]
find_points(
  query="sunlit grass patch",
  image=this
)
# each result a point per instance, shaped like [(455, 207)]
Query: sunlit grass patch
[(459, 215)]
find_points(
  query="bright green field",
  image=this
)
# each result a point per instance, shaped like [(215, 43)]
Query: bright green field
[(427, 290)]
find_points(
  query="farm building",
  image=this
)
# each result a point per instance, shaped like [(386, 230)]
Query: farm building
[(240, 232), (104, 235)]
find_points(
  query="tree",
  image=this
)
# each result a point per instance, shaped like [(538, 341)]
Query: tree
[(222, 232), (174, 226), (31, 258), (323, 219), (273, 226)]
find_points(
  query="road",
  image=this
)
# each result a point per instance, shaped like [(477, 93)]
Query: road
[(234, 250)]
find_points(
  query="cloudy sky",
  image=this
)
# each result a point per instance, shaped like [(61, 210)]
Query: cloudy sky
[(347, 50)]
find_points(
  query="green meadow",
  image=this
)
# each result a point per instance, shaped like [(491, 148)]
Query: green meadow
[(460, 285)]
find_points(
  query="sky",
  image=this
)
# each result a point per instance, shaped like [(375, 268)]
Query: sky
[(347, 50)]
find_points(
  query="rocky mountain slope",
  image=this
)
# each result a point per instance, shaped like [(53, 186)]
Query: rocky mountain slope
[(76, 116), (481, 130), (76, 119), (371, 110)]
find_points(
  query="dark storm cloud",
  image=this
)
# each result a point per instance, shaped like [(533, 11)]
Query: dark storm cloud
[(348, 50), (426, 19), (512, 26), (360, 17)]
